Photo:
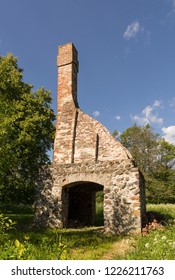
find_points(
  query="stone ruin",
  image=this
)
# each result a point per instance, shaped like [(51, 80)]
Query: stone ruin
[(87, 159)]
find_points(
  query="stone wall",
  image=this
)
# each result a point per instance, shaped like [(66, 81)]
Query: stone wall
[(87, 158), (122, 184)]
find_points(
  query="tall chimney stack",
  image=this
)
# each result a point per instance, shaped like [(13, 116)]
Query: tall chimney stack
[(67, 61)]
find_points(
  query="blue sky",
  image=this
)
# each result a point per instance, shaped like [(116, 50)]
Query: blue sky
[(126, 55)]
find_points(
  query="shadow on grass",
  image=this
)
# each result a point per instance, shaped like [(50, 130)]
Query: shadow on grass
[(161, 218), (81, 237), (24, 222)]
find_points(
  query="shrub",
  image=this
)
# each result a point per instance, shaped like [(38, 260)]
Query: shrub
[(5, 224)]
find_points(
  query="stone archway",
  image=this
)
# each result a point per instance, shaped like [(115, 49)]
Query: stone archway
[(79, 203), (122, 187)]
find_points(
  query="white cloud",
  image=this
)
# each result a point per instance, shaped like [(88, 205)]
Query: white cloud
[(117, 117), (157, 103), (172, 103), (149, 115), (96, 113), (132, 30), (169, 134)]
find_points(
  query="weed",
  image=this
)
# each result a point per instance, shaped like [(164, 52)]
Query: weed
[(23, 242), (160, 243), (5, 224)]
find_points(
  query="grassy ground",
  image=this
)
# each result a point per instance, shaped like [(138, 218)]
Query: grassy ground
[(159, 244), (86, 243), (23, 242)]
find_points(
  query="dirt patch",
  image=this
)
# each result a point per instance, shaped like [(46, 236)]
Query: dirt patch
[(119, 249)]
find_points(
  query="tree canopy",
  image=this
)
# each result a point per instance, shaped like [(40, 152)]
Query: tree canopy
[(26, 132), (155, 157)]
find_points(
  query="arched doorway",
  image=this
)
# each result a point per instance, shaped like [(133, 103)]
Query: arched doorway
[(79, 203)]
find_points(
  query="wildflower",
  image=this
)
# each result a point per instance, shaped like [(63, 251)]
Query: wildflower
[(164, 237), (147, 245)]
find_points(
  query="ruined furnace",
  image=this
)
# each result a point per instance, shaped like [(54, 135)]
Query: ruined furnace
[(87, 159)]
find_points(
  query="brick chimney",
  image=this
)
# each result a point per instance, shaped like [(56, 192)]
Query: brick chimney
[(67, 61)]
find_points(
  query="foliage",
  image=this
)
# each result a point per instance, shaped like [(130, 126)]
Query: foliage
[(57, 244), (166, 154), (88, 243), (142, 142), (14, 208), (26, 132), (99, 217), (155, 158), (5, 224), (115, 134), (159, 244), (167, 209), (27, 250), (160, 190), (85, 243)]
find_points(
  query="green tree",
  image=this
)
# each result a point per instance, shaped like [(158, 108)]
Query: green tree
[(155, 158), (142, 142), (26, 132), (115, 134), (167, 154)]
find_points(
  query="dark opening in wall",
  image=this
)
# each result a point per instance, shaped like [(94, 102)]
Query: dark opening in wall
[(81, 204)]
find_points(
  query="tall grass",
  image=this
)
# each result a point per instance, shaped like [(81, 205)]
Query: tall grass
[(24, 242), (159, 244), (86, 243)]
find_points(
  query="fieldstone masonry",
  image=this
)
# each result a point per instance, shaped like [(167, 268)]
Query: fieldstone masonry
[(87, 159)]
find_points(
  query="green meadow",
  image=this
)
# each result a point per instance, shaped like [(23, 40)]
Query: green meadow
[(21, 241)]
